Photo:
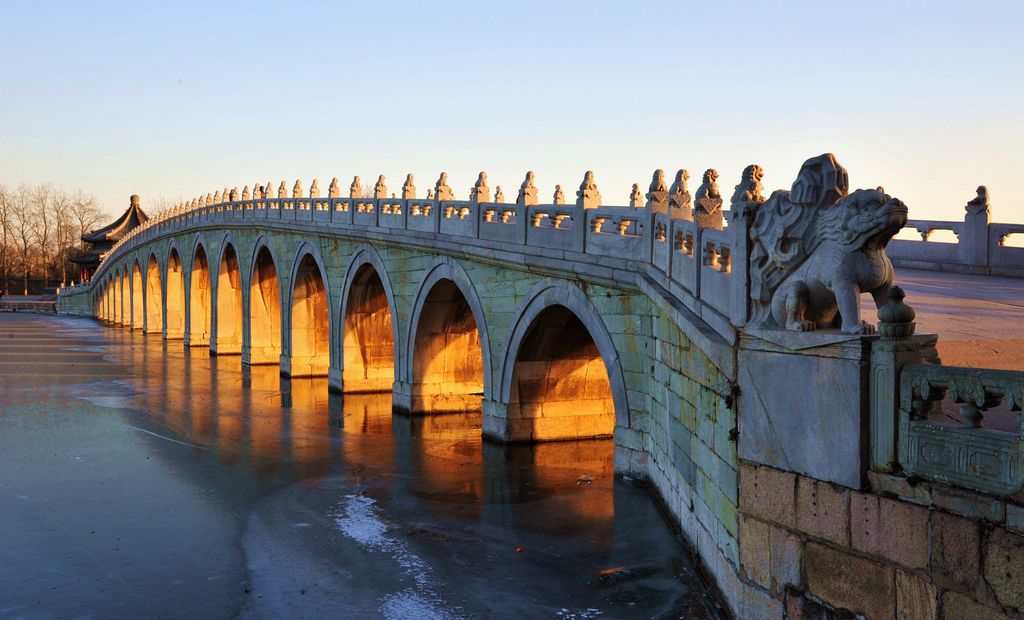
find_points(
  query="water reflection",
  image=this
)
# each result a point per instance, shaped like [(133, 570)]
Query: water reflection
[(431, 473)]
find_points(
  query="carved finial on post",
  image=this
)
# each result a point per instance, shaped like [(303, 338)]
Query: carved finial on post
[(499, 196), (588, 196), (709, 202), (297, 189), (245, 193), (636, 197), (408, 188), (226, 194), (680, 206), (216, 198), (233, 194), (657, 193), (441, 189), (980, 203), (896, 318), (747, 195), (314, 189), (559, 197), (527, 191), (334, 189), (380, 189), (282, 190), (480, 192), (268, 190), (356, 189)]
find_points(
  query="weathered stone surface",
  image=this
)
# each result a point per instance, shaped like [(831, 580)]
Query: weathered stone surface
[(785, 559), (916, 598), (895, 530), (786, 428), (1015, 517), (768, 494), (823, 510), (755, 551), (956, 606), (1004, 567), (755, 603), (969, 504), (955, 551), (849, 582)]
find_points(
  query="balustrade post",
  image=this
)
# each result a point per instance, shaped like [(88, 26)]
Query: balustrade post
[(973, 247), (895, 348)]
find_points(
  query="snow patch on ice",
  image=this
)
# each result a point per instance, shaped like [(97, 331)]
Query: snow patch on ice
[(358, 518)]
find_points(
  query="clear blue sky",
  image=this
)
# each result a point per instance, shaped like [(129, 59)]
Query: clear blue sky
[(172, 99)]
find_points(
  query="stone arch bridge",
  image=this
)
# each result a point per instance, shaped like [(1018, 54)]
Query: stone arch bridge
[(564, 321)]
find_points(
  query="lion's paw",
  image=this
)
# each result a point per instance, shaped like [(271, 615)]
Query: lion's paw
[(862, 329), (802, 326)]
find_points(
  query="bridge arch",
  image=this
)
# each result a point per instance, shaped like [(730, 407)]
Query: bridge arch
[(154, 297), (558, 347), (199, 296), (369, 325), (447, 360), (265, 318), (227, 333), (308, 352), (174, 295), (138, 296)]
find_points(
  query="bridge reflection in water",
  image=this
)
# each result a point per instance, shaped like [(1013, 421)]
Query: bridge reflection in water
[(425, 471)]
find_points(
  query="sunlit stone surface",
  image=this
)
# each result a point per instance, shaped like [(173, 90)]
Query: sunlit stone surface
[(141, 476)]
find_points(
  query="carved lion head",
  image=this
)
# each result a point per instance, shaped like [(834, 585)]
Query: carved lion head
[(866, 218)]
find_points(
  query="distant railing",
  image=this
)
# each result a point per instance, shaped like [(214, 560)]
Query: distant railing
[(980, 246)]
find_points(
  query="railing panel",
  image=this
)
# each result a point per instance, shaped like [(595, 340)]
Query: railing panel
[(392, 213), (422, 215), (459, 218), (557, 227), (617, 232), (685, 254), (365, 212), (716, 269), (962, 426), (661, 247), (503, 222)]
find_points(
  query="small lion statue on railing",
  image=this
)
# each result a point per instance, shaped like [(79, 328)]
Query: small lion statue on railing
[(816, 248)]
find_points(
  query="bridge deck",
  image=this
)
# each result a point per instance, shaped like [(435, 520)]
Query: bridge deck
[(979, 319)]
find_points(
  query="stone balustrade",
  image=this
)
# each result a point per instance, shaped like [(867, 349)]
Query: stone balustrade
[(980, 247), (674, 251), (959, 449)]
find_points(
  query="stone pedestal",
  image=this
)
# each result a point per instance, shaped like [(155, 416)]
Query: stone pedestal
[(803, 403)]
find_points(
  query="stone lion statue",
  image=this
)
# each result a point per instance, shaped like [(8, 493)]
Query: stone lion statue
[(816, 248)]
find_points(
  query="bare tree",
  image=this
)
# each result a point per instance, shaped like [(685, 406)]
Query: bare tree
[(21, 212), (41, 198), (85, 214), (5, 229)]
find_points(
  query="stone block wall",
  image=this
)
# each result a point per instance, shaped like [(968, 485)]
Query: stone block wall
[(75, 302), (812, 549)]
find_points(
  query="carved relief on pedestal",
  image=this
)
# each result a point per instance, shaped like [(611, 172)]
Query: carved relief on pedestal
[(657, 193), (441, 189), (408, 188), (480, 192), (527, 191), (588, 195), (680, 206), (709, 202), (816, 248)]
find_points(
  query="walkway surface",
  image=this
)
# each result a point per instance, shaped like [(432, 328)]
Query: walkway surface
[(979, 319)]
